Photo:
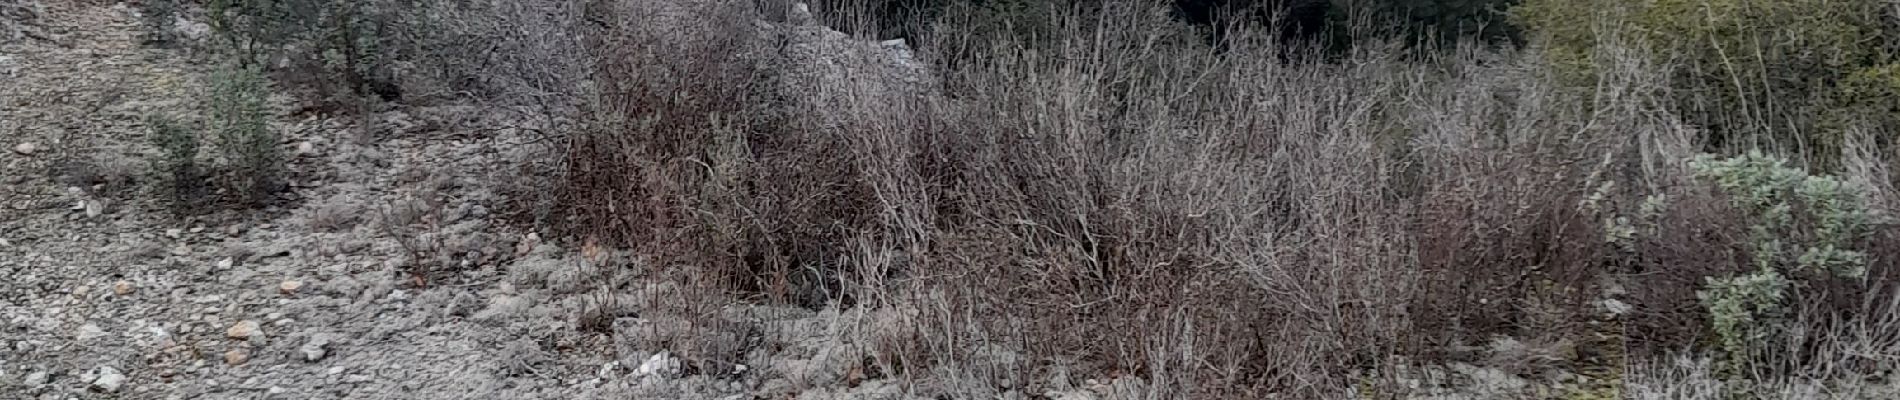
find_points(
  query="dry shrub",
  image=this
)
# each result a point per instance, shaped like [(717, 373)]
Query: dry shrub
[(693, 153), (1123, 201), (1135, 204)]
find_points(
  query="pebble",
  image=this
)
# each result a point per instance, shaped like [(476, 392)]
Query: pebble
[(107, 379), (26, 148), (226, 263), (315, 349), (334, 370), (174, 233), (289, 287), (275, 390), (122, 288), (661, 363), (356, 378), (36, 379), (236, 357), (242, 330), (89, 332), (607, 370)]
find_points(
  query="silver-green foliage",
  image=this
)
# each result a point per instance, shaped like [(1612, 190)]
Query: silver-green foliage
[(176, 167), (239, 124), (1797, 222)]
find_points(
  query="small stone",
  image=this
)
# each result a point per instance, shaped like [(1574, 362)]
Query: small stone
[(306, 148), (36, 379), (356, 378), (607, 370), (337, 370), (659, 364), (236, 357), (122, 288), (90, 332), (197, 229), (1615, 307), (226, 263), (276, 390), (242, 330), (289, 287), (315, 349), (107, 379), (26, 148), (94, 208), (174, 233)]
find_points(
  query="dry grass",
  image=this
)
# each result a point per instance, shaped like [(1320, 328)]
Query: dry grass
[(1123, 202)]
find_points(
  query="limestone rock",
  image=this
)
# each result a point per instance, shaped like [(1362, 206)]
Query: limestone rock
[(242, 330)]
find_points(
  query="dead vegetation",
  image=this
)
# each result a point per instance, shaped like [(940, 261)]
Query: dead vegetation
[(1131, 203), (1110, 197)]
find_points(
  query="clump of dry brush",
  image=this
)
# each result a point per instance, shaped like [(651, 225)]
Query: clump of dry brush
[(1112, 196)]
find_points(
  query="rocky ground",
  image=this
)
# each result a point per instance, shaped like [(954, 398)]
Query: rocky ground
[(104, 294)]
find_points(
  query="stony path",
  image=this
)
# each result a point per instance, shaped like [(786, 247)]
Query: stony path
[(103, 294)]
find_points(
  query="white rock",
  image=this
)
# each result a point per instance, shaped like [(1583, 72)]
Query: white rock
[(242, 330), (107, 379), (336, 370), (94, 208), (607, 370), (174, 233), (276, 390), (1616, 307), (661, 364), (122, 288), (315, 349), (26, 148), (36, 379), (289, 287), (800, 15), (227, 262), (90, 332)]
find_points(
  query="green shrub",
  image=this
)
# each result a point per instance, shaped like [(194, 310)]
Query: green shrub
[(239, 123), (342, 40), (175, 169), (1799, 225), (1755, 72)]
